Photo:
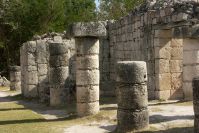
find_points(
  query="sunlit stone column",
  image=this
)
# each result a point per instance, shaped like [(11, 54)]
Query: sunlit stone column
[(87, 66)]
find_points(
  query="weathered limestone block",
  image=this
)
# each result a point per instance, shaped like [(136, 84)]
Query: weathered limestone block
[(15, 78), (86, 94), (56, 96), (189, 72), (163, 33), (32, 78), (31, 59), (58, 75), (162, 66), (90, 29), (177, 53), (42, 69), (176, 81), (176, 66), (57, 48), (87, 77), (190, 44), (162, 42), (87, 108), (176, 42), (59, 60), (163, 82), (132, 96), (190, 57), (195, 84), (41, 52), (132, 121), (137, 69), (188, 90), (31, 91), (176, 94), (31, 68), (88, 62), (59, 72), (89, 48), (162, 52), (163, 95), (31, 46)]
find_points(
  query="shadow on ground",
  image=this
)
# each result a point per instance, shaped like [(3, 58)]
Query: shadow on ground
[(173, 130), (161, 118)]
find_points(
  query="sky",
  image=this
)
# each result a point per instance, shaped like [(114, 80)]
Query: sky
[(97, 2)]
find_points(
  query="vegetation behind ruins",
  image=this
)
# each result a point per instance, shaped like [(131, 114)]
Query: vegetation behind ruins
[(20, 20)]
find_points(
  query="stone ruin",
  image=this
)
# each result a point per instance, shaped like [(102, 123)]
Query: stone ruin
[(88, 62), (57, 67), (164, 34), (4, 82), (15, 78)]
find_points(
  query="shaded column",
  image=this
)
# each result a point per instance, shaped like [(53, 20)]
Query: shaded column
[(87, 66), (42, 58), (132, 96), (15, 78), (195, 84), (59, 71)]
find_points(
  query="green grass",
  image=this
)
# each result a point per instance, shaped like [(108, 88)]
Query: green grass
[(4, 88), (16, 118)]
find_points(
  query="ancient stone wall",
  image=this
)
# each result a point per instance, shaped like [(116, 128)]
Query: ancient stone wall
[(35, 69), (154, 33), (130, 40)]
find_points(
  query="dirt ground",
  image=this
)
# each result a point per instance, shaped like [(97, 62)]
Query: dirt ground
[(18, 115)]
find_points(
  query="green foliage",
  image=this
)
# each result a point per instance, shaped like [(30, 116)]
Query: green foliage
[(21, 19), (80, 10), (114, 9)]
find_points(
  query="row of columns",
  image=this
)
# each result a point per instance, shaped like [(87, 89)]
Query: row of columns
[(131, 78)]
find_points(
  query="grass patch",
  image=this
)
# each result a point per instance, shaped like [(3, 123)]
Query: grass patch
[(189, 103), (4, 88), (16, 118)]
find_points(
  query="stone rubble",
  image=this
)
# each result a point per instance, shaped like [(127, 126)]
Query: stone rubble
[(15, 78), (4, 82)]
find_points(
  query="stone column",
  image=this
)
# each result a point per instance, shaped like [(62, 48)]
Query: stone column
[(42, 58), (195, 84), (87, 66), (29, 70), (59, 71), (15, 78), (132, 96)]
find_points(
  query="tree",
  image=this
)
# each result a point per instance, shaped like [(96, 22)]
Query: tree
[(21, 19), (114, 9), (80, 10)]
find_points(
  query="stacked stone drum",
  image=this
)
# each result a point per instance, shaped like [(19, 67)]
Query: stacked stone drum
[(59, 71), (196, 103), (87, 66), (132, 96), (87, 76), (15, 78)]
